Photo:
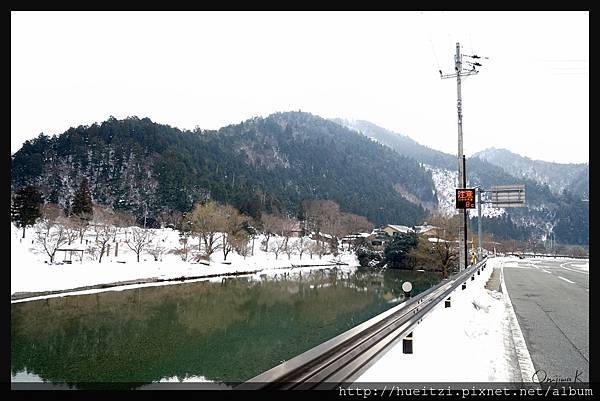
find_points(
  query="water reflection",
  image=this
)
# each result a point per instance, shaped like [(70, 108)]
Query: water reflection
[(227, 331)]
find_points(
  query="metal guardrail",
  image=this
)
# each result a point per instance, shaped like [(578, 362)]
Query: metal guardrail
[(345, 357)]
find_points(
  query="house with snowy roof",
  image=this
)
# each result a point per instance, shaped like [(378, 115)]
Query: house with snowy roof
[(428, 230), (352, 239), (392, 229)]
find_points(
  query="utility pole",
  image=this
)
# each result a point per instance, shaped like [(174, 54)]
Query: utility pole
[(479, 224), (458, 67), (465, 212)]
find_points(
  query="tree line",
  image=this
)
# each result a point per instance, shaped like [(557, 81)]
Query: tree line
[(208, 228)]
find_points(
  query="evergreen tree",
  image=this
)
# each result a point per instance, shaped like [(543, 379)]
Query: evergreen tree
[(25, 208), (82, 201), (396, 252)]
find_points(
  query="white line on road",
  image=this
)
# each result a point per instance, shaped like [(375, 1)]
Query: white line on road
[(546, 271), (567, 280), (574, 270), (523, 356)]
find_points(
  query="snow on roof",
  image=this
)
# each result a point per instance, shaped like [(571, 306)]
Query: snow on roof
[(425, 227), (357, 235), (321, 234), (403, 229), (431, 239)]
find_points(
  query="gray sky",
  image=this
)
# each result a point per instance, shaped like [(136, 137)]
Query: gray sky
[(211, 69)]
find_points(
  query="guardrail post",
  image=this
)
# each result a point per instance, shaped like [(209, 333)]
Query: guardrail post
[(447, 303), (478, 272), (407, 344), (464, 286), (472, 277)]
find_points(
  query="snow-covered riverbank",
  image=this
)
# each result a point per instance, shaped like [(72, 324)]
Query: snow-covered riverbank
[(30, 272)]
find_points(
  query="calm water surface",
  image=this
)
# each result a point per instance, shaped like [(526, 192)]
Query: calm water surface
[(224, 332)]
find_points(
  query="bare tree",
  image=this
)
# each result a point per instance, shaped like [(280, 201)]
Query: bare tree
[(325, 217), (158, 249), (104, 233), (139, 239), (353, 223), (71, 230), (51, 212), (50, 236), (315, 248), (272, 224), (277, 246), (207, 222), (123, 219), (184, 250), (171, 219), (539, 248), (240, 243), (578, 252), (81, 224), (320, 214), (302, 245), (233, 228), (289, 248), (439, 253)]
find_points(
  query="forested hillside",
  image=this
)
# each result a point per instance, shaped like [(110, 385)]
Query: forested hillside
[(263, 164)]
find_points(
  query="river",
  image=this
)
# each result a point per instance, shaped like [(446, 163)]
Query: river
[(220, 332)]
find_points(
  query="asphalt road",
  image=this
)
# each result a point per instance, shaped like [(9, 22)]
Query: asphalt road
[(551, 300)]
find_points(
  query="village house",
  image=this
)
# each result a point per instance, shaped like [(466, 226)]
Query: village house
[(428, 230), (393, 230), (351, 239), (378, 239)]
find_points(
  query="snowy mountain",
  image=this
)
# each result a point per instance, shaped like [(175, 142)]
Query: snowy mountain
[(546, 210), (558, 176)]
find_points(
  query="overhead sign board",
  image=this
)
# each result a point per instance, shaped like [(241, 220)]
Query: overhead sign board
[(465, 198), (508, 195)]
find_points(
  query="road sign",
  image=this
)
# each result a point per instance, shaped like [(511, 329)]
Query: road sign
[(508, 195), (465, 198)]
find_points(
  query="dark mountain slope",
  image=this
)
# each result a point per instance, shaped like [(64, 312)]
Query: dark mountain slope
[(268, 164)]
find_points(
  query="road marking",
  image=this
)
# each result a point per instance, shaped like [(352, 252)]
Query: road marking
[(523, 356), (567, 280), (574, 270), (546, 271)]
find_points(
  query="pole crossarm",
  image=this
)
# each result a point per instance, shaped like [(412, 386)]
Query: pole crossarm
[(462, 74)]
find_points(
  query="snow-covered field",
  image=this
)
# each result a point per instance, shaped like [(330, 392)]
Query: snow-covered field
[(30, 271), (469, 342)]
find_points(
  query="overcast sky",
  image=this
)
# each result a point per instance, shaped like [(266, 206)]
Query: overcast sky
[(211, 69)]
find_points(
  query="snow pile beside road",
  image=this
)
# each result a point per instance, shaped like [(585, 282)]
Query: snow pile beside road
[(468, 342)]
